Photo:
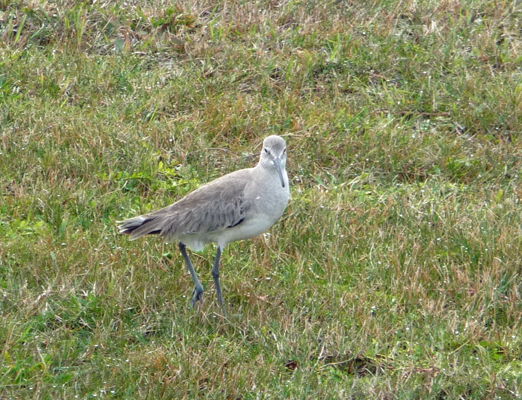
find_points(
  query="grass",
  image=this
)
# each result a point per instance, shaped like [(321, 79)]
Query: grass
[(395, 271)]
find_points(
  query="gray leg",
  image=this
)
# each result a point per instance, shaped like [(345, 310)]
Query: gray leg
[(197, 295), (215, 275)]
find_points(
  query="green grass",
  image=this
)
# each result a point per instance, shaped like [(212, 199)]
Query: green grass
[(395, 271)]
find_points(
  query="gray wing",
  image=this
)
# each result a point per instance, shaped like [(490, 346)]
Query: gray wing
[(214, 207)]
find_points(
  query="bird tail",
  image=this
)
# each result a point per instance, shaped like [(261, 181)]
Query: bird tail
[(140, 226)]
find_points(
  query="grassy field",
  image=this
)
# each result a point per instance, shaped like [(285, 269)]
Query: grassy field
[(395, 272)]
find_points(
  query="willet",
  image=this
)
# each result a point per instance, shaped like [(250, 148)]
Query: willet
[(237, 206)]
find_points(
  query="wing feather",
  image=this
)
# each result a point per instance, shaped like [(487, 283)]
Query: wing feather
[(212, 208)]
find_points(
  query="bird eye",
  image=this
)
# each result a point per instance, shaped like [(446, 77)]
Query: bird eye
[(266, 151)]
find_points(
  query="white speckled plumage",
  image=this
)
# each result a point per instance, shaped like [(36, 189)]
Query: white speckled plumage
[(237, 206)]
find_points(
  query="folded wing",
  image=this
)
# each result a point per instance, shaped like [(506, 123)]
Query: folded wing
[(220, 206)]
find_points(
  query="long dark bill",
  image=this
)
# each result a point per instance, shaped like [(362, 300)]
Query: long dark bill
[(277, 163)]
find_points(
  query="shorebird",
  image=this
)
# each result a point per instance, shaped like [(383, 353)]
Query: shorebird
[(237, 206)]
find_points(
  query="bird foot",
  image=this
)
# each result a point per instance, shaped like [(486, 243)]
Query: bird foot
[(197, 296)]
